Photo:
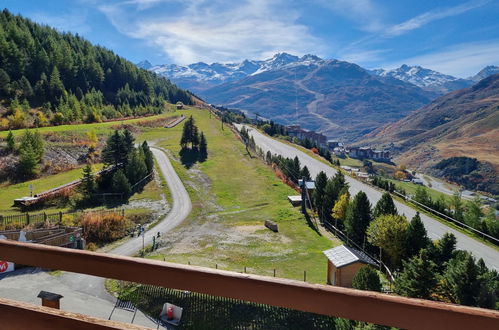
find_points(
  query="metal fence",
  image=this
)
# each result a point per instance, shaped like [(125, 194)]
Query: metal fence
[(17, 221)]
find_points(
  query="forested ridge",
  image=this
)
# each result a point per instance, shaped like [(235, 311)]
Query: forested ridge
[(48, 77)]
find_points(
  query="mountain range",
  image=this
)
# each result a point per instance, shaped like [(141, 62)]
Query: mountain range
[(337, 98)]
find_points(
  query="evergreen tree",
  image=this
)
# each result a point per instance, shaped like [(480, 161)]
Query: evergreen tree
[(358, 217), (318, 194), (121, 185), (115, 152), (203, 147), (444, 250), (474, 214), (136, 168), (29, 52), (31, 153), (305, 173), (11, 143), (489, 286), (366, 279), (457, 206), (418, 279), (128, 142), (88, 186), (296, 168), (459, 282), (28, 160), (385, 206), (148, 157), (55, 84), (389, 233), (417, 237), (189, 134)]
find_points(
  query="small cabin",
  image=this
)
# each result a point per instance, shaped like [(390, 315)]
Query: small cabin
[(179, 105), (343, 263)]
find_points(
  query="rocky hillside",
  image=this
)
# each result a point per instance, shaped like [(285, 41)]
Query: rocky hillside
[(337, 98), (461, 123)]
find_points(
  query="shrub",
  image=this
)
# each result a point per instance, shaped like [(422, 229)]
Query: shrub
[(103, 228), (91, 247)]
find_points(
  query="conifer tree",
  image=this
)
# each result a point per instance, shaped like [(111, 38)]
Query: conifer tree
[(384, 206), (31, 152), (120, 184), (318, 194), (418, 279), (366, 279), (11, 143), (203, 147), (136, 168), (28, 160), (128, 142), (459, 282), (190, 134), (88, 185), (444, 250), (148, 157), (417, 237), (304, 173), (358, 217)]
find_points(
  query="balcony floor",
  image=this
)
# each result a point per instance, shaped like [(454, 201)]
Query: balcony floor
[(25, 284)]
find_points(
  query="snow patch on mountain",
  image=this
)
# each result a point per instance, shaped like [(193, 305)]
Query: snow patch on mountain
[(416, 75), (217, 73)]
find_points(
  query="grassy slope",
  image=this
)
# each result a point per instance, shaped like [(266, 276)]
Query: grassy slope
[(82, 128), (228, 230), (10, 192)]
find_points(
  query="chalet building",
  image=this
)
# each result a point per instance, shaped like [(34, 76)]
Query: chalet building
[(343, 263), (302, 134), (368, 153)]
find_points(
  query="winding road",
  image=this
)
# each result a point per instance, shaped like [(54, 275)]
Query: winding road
[(180, 210), (85, 293), (435, 228)]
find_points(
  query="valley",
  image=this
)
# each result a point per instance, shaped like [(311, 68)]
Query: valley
[(249, 165)]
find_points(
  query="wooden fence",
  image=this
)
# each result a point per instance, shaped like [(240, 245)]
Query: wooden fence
[(23, 220)]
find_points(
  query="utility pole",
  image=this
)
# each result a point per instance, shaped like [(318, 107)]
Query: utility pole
[(303, 196)]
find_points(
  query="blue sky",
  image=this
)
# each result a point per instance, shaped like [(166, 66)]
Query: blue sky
[(453, 37)]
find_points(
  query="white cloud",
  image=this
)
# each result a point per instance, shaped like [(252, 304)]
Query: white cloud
[(218, 31), (462, 60), (430, 16)]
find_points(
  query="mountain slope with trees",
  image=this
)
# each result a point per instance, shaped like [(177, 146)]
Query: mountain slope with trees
[(48, 77)]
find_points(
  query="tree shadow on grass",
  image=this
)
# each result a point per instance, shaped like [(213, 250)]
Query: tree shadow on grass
[(311, 224), (189, 157)]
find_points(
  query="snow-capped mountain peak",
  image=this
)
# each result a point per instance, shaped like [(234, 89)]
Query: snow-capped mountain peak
[(218, 73), (416, 75), (485, 72)]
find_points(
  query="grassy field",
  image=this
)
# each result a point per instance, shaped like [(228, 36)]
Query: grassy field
[(410, 189), (99, 128), (152, 191), (233, 193)]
